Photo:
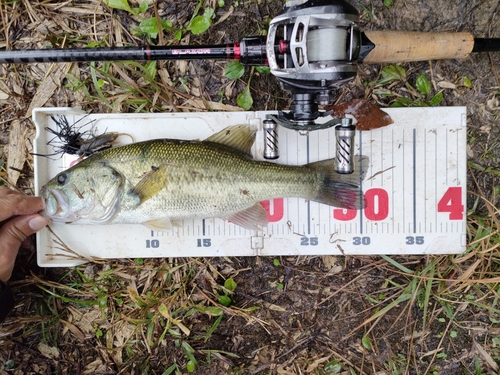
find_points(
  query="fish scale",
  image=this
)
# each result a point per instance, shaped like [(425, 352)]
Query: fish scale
[(193, 176)]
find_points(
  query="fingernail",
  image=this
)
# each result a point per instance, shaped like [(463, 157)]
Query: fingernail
[(38, 222)]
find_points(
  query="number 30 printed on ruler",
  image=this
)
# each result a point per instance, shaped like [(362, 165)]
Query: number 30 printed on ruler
[(377, 206)]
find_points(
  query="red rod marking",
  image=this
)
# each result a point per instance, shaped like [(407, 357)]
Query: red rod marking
[(237, 51)]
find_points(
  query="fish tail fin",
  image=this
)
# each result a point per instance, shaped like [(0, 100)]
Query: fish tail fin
[(339, 189)]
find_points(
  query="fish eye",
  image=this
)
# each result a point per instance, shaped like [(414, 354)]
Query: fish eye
[(61, 178)]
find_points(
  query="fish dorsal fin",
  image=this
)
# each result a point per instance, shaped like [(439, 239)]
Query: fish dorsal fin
[(240, 137)]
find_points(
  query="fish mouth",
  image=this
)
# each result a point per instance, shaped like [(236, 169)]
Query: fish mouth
[(59, 209), (56, 206)]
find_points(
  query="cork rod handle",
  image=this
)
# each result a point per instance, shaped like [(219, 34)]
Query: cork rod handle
[(405, 46)]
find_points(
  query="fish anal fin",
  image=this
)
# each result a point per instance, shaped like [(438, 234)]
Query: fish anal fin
[(240, 137), (251, 218), (150, 184), (163, 225)]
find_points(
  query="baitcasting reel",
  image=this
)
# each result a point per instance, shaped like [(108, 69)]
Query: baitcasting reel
[(313, 49)]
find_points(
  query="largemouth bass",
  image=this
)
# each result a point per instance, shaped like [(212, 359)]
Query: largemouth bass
[(161, 182)]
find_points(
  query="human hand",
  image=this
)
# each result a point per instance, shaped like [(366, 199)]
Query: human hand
[(18, 220)]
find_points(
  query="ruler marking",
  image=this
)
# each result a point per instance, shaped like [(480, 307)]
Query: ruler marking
[(361, 180), (414, 180), (371, 155), (392, 178), (308, 201), (435, 180), (404, 179), (374, 140), (459, 131), (381, 142), (446, 157), (425, 178), (330, 214), (287, 161)]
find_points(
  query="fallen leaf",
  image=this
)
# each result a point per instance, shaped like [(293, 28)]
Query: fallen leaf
[(74, 329), (331, 263), (314, 365), (446, 85), (486, 356), (48, 351), (51, 82), (369, 116), (274, 307), (95, 367), (224, 16)]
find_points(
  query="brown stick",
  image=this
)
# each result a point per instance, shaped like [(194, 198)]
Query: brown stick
[(404, 46)]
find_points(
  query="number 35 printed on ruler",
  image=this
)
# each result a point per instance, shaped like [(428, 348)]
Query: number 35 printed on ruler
[(377, 206)]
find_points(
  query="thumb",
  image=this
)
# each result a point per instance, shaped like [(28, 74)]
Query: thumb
[(12, 235)]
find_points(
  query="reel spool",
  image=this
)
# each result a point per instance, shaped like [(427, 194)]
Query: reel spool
[(313, 48)]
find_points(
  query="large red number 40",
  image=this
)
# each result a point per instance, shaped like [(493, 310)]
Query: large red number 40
[(452, 202)]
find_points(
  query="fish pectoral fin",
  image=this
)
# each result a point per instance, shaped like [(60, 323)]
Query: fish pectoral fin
[(240, 137), (250, 218), (150, 184), (162, 225)]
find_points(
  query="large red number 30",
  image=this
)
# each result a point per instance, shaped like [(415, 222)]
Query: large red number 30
[(377, 207), (452, 202)]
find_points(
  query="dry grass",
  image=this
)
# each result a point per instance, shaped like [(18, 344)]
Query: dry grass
[(301, 315)]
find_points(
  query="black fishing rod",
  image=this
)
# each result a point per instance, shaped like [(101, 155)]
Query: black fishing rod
[(313, 48), (250, 51)]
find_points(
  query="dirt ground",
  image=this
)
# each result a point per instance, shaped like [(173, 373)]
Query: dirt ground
[(314, 314)]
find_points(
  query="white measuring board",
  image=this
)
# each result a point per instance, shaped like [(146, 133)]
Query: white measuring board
[(415, 191)]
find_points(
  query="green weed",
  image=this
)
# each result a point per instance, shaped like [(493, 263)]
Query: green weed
[(234, 71), (420, 94), (124, 5)]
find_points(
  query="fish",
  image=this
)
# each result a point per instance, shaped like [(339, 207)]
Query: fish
[(161, 182)]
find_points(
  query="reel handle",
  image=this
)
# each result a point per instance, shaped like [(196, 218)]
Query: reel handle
[(406, 46)]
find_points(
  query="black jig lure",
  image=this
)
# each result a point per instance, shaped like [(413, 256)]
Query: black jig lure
[(70, 139)]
